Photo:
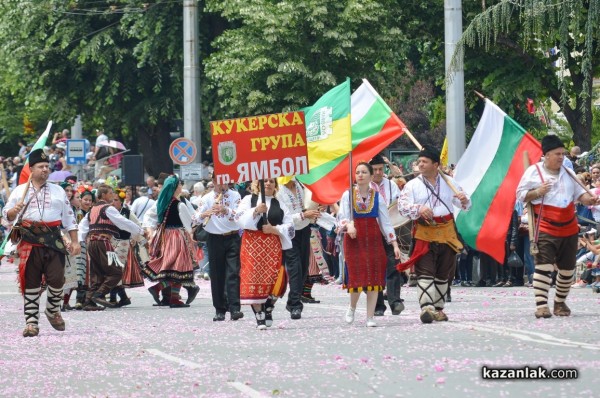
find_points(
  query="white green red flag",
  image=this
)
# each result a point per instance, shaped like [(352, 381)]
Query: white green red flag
[(489, 171), (374, 127), (39, 144)]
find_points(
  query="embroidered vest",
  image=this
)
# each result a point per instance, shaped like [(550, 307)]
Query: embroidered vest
[(100, 223), (274, 215)]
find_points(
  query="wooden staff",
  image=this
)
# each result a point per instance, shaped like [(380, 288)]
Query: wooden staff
[(577, 180), (420, 147), (533, 247)]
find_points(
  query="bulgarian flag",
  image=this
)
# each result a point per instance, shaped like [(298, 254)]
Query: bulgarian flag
[(374, 127), (40, 143), (489, 171)]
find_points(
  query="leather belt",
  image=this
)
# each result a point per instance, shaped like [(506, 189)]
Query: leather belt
[(443, 219)]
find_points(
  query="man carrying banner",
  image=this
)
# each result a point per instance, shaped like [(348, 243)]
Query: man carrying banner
[(38, 210), (429, 199), (553, 191)]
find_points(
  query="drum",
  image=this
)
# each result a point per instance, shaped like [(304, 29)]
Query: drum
[(396, 219)]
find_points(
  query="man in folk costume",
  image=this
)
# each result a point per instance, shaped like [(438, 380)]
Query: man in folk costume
[(553, 193), (390, 193), (223, 248), (297, 258), (100, 227), (42, 252), (429, 200)]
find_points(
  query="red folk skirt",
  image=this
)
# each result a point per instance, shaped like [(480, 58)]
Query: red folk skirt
[(262, 273), (365, 257), (171, 258)]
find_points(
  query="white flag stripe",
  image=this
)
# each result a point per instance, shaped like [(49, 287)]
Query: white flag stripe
[(361, 101), (476, 160)]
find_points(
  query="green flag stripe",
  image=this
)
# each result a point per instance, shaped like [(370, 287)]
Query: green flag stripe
[(337, 98), (316, 173)]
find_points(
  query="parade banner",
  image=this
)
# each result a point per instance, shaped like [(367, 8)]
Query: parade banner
[(259, 147)]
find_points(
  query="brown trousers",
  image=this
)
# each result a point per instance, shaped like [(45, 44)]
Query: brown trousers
[(45, 261), (103, 277), (557, 250), (439, 262)]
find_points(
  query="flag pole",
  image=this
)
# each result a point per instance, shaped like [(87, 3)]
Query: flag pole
[(420, 147), (350, 190), (533, 247)]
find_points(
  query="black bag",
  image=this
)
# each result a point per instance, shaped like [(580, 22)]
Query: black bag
[(200, 234), (514, 261)]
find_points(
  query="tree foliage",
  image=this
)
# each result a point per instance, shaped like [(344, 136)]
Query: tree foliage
[(118, 64), (555, 40), (284, 55)]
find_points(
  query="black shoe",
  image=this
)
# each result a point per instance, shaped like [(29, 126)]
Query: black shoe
[(448, 298), (296, 313), (235, 315), (179, 305), (481, 283), (102, 301), (124, 302), (379, 312), (269, 318), (192, 293), (397, 308), (219, 316), (154, 293), (309, 300)]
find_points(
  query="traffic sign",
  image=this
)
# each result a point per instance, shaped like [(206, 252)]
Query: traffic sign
[(76, 151), (182, 151)]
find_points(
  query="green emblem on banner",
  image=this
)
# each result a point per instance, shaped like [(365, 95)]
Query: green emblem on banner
[(227, 152)]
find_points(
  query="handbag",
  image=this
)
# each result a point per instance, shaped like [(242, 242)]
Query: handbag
[(514, 261), (200, 234)]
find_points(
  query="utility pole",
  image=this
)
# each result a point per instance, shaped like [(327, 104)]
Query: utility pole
[(191, 76), (455, 91)]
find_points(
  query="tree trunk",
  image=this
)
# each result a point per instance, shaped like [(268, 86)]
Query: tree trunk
[(580, 118), (154, 144)]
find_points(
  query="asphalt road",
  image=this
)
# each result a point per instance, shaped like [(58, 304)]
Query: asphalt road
[(143, 351)]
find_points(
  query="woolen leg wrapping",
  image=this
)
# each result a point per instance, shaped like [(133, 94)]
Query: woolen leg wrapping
[(542, 281)]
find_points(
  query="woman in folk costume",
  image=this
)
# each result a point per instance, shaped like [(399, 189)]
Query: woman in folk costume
[(71, 278), (123, 247), (171, 262), (83, 200), (261, 254), (363, 246)]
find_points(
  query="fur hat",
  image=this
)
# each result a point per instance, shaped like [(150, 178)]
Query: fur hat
[(551, 142), (430, 153), (37, 156)]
